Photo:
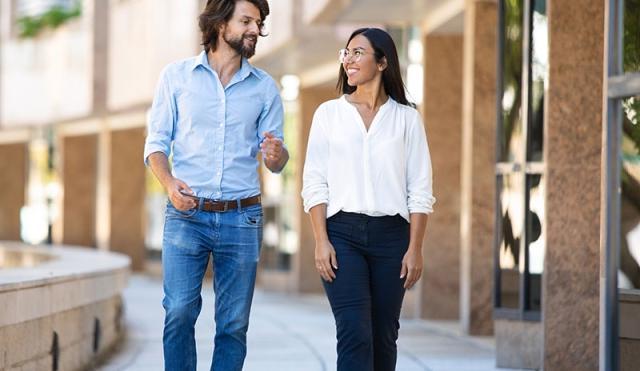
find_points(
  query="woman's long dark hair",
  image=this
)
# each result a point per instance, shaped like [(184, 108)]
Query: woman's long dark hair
[(383, 46), (219, 12)]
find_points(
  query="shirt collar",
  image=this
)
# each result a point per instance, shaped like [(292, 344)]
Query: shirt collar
[(245, 67)]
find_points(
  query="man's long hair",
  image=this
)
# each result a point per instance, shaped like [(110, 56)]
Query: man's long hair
[(217, 13)]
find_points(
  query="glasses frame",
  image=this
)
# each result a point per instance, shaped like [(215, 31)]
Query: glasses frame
[(345, 55)]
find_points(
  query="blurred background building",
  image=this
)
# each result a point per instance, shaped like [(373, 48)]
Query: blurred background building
[(531, 111)]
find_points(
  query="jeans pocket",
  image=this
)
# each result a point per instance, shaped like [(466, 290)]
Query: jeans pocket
[(175, 213), (252, 216)]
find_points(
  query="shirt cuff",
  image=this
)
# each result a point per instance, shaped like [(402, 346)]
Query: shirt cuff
[(421, 204), (315, 196), (150, 148)]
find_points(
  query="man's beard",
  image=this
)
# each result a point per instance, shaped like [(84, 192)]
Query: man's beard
[(238, 45)]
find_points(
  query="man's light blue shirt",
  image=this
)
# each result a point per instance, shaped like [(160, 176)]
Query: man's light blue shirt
[(215, 131)]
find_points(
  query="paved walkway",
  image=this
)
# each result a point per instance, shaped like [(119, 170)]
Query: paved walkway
[(288, 333)]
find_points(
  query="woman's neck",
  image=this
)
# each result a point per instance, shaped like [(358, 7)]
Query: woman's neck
[(371, 95)]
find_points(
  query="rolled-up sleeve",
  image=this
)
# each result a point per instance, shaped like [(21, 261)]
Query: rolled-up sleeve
[(315, 190), (161, 118), (419, 178), (272, 116)]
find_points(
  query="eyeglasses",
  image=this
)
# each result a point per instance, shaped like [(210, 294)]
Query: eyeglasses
[(345, 54)]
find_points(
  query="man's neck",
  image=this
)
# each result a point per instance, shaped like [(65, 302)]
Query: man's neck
[(225, 62)]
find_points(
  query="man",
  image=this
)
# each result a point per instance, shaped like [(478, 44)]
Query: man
[(215, 112)]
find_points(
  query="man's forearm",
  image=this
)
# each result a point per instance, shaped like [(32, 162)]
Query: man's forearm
[(160, 167)]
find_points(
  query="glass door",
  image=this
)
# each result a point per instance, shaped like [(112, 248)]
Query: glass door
[(519, 246)]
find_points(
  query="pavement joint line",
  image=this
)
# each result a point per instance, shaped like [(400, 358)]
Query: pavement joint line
[(415, 359), (283, 326)]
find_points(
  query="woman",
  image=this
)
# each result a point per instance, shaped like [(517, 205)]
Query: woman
[(367, 187)]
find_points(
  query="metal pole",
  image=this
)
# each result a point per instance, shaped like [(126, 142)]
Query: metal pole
[(609, 331)]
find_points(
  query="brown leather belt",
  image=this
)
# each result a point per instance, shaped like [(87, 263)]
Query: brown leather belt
[(222, 206)]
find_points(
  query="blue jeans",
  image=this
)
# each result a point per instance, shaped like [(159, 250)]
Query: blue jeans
[(366, 295), (233, 239)]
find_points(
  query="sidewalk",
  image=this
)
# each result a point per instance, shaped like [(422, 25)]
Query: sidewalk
[(288, 333)]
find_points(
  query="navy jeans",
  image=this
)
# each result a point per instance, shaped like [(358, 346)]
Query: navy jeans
[(233, 239), (367, 294)]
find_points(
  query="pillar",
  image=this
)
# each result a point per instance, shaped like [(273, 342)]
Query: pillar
[(478, 166), (443, 121)]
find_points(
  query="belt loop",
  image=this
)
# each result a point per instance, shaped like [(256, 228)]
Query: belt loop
[(239, 202), (200, 203)]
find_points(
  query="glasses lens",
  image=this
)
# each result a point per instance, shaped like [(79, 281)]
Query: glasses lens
[(342, 55)]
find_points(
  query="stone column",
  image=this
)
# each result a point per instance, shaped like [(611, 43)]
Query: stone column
[(305, 275), (127, 195), (443, 121), (79, 175), (573, 144), (478, 166), (100, 16), (13, 183)]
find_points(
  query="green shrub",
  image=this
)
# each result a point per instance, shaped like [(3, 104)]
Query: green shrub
[(52, 18)]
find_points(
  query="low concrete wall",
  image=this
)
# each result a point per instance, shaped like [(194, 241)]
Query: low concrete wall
[(60, 307), (629, 330)]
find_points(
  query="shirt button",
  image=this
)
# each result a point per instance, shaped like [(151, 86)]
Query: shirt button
[(220, 148)]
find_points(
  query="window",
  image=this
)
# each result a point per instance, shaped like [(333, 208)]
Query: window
[(630, 197), (622, 188), (631, 36), (520, 245), (512, 33)]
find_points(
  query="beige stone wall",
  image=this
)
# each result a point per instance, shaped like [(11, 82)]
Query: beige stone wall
[(143, 38), (13, 182), (573, 144), (79, 174), (518, 344), (63, 295), (306, 276), (28, 345), (478, 167), (127, 195), (47, 78), (443, 121), (280, 25)]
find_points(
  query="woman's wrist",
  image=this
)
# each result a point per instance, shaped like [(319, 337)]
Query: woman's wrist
[(322, 239)]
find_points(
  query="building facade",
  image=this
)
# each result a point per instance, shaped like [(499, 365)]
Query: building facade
[(531, 112)]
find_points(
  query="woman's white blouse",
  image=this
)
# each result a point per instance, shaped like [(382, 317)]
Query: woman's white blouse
[(383, 171)]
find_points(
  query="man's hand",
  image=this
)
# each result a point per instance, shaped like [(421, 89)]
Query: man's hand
[(273, 152), (177, 189), (271, 147)]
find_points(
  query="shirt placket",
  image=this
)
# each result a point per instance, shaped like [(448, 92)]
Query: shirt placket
[(368, 186), (219, 142)]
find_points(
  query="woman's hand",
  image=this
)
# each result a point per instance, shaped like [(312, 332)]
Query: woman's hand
[(411, 266), (326, 260)]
